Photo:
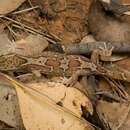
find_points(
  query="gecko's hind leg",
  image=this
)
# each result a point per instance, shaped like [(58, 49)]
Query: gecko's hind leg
[(74, 78)]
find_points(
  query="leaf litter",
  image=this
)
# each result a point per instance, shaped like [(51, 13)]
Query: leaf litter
[(30, 27)]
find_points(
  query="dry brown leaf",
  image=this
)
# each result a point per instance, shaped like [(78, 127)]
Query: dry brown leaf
[(6, 46), (69, 23), (125, 64), (113, 114), (41, 113), (32, 45), (88, 38), (9, 110), (7, 6), (126, 124), (104, 86)]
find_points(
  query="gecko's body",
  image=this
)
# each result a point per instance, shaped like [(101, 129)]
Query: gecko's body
[(57, 64), (48, 63)]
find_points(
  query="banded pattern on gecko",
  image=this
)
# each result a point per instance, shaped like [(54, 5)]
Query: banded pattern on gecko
[(56, 64)]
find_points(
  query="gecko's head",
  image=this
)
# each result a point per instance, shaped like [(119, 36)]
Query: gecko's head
[(11, 62)]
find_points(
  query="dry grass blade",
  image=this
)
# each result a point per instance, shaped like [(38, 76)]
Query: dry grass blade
[(25, 10)]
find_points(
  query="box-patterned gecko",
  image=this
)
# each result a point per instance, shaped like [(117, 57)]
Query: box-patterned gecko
[(57, 64)]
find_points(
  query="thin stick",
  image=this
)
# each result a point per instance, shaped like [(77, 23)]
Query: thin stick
[(25, 10), (32, 6), (88, 47), (19, 27), (30, 28)]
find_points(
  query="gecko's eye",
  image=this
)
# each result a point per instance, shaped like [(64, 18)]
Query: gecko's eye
[(40, 61)]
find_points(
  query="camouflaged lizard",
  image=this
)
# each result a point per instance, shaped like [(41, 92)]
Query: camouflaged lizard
[(56, 64)]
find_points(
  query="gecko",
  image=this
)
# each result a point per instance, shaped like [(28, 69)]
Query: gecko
[(57, 64)]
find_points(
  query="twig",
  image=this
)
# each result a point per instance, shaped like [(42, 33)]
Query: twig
[(32, 6), (40, 19), (119, 88), (25, 10), (87, 48), (12, 32), (110, 95), (22, 26), (19, 27), (30, 28)]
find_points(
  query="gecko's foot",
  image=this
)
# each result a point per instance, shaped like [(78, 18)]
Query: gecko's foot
[(105, 53), (102, 53), (26, 77), (70, 82), (74, 78)]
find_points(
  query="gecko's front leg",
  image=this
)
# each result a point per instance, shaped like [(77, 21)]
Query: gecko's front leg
[(102, 53)]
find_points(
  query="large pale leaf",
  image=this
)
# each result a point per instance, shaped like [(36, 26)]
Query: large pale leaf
[(70, 97), (41, 113)]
